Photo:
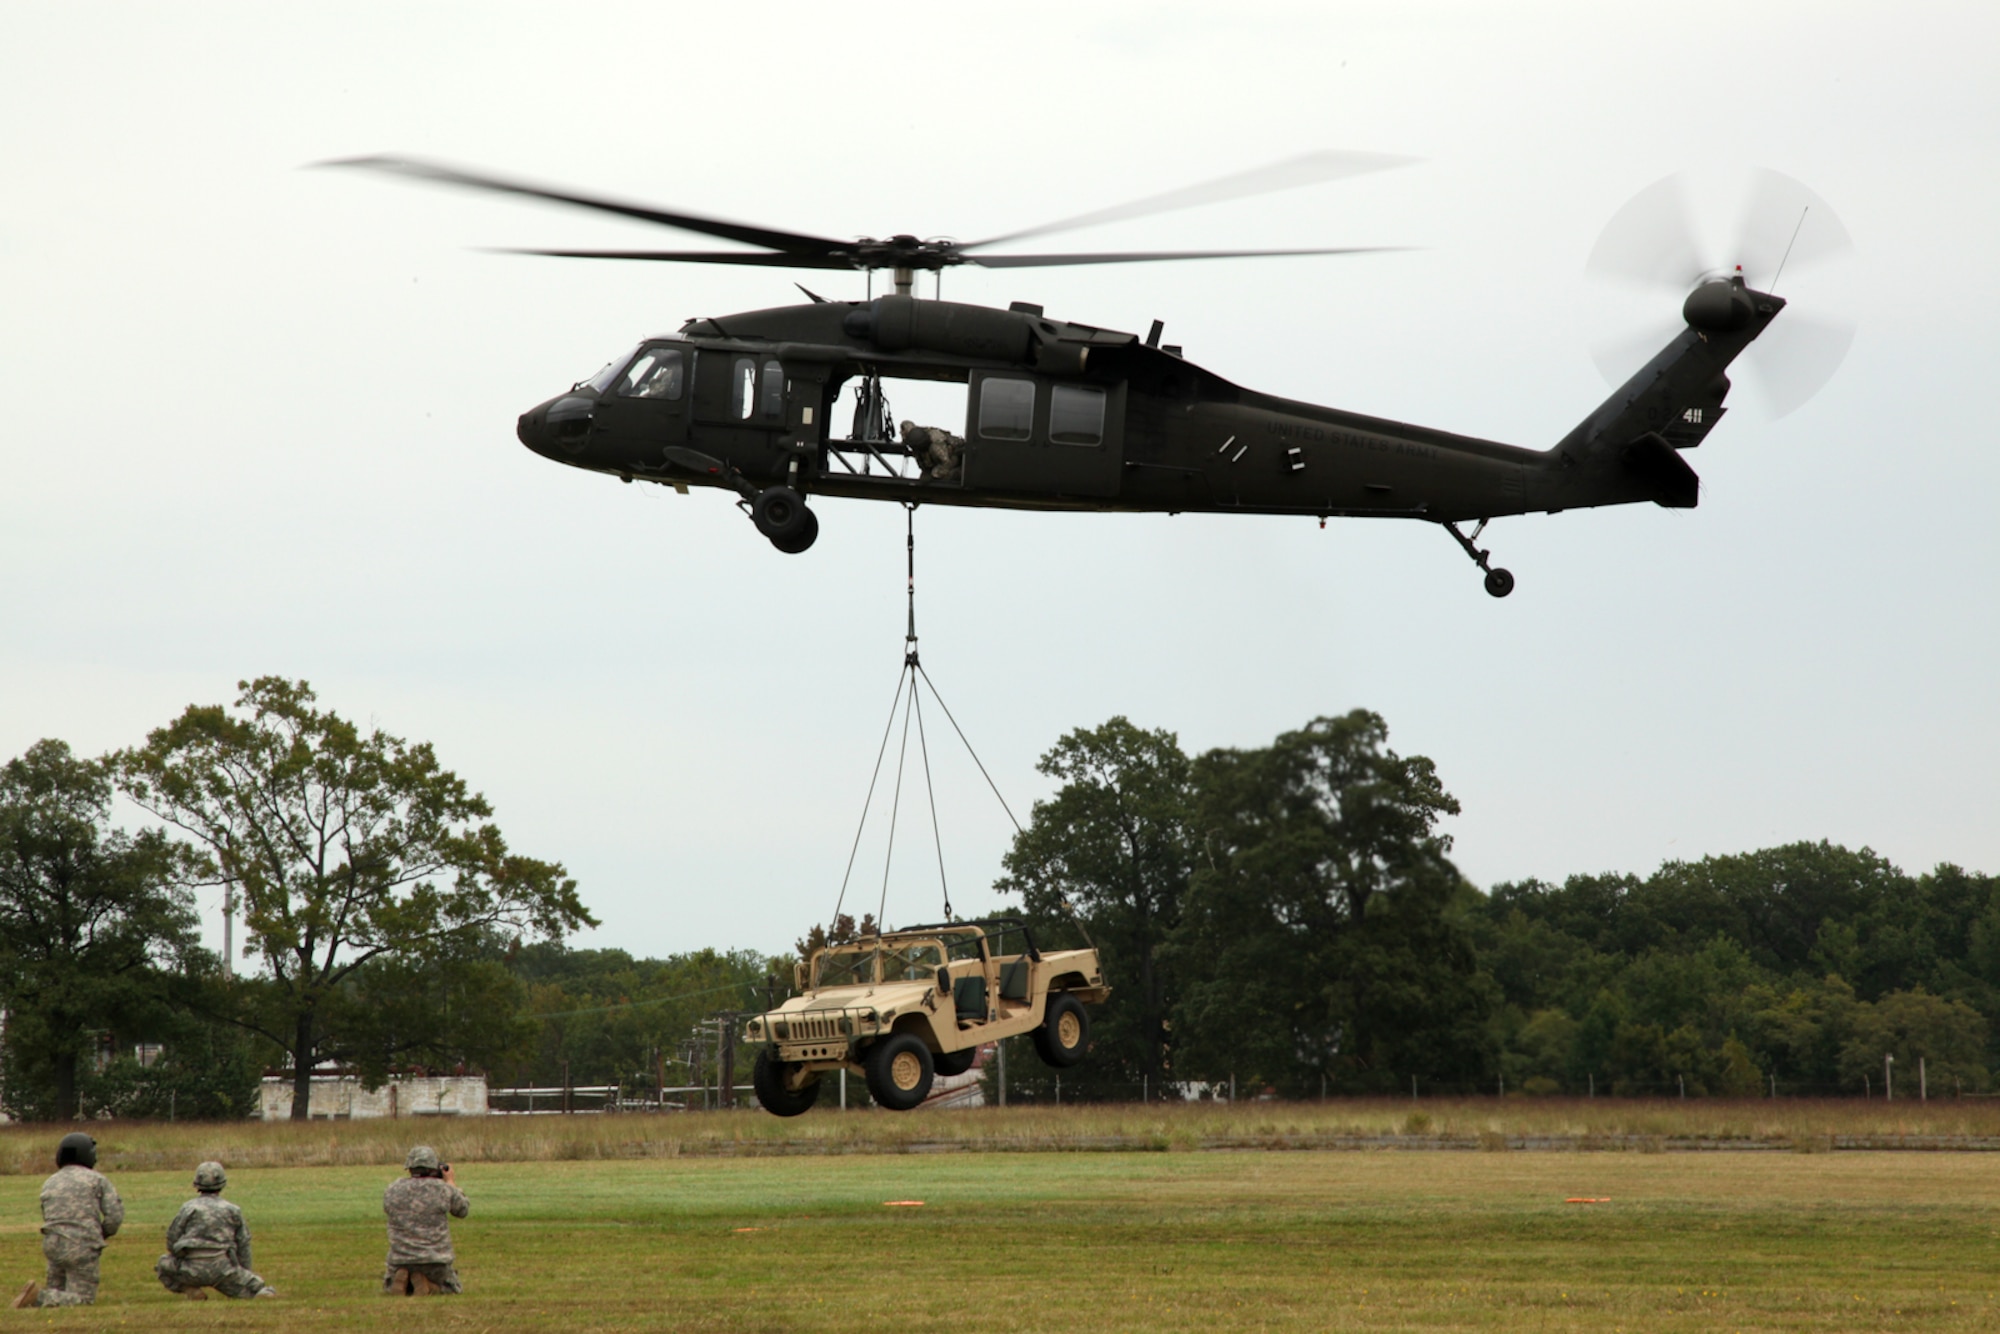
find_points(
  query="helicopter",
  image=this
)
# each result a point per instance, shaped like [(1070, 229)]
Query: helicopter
[(1062, 415)]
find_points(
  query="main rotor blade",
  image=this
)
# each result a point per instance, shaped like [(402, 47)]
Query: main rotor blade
[(1146, 256), (418, 169), (1307, 169), (767, 259)]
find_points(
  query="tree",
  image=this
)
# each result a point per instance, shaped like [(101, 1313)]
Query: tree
[(1113, 848), (1948, 1036), (344, 847), (1324, 931), (92, 924)]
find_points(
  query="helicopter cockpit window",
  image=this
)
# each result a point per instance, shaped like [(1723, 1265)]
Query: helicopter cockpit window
[(1007, 409), (654, 373), (743, 388), (1076, 415), (604, 377), (774, 390)]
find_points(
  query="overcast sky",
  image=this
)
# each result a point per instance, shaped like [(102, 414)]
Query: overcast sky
[(260, 419)]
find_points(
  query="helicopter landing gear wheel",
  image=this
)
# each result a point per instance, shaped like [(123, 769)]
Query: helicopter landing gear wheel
[(779, 513), (800, 540), (1499, 583)]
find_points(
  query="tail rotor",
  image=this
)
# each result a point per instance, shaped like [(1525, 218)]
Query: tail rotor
[(1656, 247)]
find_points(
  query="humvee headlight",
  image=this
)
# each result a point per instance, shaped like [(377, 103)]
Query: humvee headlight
[(754, 1029)]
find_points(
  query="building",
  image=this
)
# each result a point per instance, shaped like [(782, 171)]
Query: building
[(338, 1095)]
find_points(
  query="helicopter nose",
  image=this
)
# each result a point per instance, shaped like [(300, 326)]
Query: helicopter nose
[(557, 427)]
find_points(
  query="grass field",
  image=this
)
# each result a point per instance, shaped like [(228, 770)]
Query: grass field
[(1601, 1123), (1028, 1241)]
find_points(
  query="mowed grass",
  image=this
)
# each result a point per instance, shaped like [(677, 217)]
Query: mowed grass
[(1022, 1242), (1606, 1123)]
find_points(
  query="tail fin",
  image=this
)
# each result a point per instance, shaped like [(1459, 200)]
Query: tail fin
[(1629, 448)]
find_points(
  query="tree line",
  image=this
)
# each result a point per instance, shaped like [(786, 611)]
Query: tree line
[(1284, 917), (1287, 918)]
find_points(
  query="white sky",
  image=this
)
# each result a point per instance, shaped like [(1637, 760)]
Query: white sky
[(260, 420)]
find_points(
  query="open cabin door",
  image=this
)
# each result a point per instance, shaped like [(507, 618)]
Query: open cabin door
[(1035, 436)]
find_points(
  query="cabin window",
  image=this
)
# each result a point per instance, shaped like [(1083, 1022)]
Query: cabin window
[(774, 390), (1007, 409), (743, 388), (1076, 415), (654, 373)]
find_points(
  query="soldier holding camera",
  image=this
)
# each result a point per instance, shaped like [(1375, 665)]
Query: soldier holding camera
[(420, 1209)]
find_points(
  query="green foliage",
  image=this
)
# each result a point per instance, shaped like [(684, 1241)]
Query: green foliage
[(344, 847), (612, 1019), (1114, 848), (94, 925)]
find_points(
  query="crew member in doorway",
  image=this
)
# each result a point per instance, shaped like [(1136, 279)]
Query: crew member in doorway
[(936, 449)]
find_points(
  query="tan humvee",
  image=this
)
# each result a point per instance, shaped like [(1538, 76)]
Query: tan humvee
[(904, 1006)]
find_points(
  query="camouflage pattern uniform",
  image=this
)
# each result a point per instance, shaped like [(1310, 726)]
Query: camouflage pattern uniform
[(936, 450), (420, 1208), (79, 1211), (208, 1243)]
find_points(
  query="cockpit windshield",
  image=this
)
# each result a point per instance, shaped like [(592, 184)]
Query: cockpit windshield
[(602, 380), (851, 967)]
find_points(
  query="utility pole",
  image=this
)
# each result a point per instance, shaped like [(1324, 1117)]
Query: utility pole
[(1923, 1082), (1000, 1055), (1888, 1076), (725, 1042), (228, 911)]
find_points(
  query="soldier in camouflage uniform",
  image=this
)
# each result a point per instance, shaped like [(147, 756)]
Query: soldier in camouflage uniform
[(80, 1211), (420, 1208), (208, 1244), (936, 450)]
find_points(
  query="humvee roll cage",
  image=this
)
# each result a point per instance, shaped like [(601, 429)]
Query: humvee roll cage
[(989, 926)]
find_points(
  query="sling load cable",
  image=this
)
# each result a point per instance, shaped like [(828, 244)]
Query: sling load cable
[(912, 672)]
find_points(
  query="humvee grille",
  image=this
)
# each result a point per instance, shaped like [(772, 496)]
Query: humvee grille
[(813, 1028)]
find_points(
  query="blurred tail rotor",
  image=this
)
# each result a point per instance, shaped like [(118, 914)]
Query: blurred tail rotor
[(1655, 248)]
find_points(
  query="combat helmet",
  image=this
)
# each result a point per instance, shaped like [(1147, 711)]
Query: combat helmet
[(424, 1160), (78, 1148), (209, 1178)]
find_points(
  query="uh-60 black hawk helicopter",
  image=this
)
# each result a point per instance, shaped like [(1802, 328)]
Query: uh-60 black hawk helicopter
[(1067, 416)]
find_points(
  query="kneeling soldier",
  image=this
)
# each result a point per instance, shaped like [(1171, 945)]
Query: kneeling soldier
[(420, 1208), (79, 1211), (208, 1244)]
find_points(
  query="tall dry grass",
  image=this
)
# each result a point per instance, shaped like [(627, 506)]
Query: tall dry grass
[(1437, 1123)]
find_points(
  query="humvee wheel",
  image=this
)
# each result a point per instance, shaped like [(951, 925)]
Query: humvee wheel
[(953, 1062), (1065, 1032), (899, 1072), (768, 1078)]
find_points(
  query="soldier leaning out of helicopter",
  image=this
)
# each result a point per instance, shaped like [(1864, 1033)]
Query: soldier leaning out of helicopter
[(938, 450)]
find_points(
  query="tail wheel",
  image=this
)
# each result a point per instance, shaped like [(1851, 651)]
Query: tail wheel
[(1065, 1032), (899, 1072), (769, 1079)]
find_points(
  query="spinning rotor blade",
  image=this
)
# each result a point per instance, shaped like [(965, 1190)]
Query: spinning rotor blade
[(771, 259), (790, 242), (1795, 358), (1786, 223), (1307, 169), (1650, 242), (1783, 229), (1145, 256)]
